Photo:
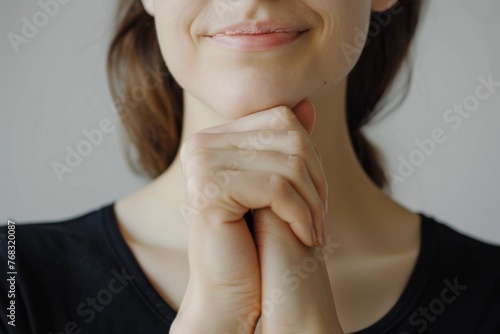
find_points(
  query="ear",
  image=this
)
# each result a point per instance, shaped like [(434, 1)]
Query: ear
[(382, 5), (149, 6)]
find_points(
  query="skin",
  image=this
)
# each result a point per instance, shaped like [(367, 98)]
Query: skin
[(302, 180)]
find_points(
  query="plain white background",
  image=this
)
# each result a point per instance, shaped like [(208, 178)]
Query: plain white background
[(55, 87)]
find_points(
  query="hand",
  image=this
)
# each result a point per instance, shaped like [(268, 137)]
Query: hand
[(296, 292), (259, 161)]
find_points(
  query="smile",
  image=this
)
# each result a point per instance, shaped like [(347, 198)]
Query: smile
[(260, 37)]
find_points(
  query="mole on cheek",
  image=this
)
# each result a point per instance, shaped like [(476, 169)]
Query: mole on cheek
[(325, 82)]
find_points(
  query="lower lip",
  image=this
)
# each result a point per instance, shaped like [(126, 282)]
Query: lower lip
[(257, 42)]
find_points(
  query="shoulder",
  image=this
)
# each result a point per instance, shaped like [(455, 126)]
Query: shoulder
[(49, 244), (50, 261), (59, 231), (73, 269), (455, 286), (464, 261), (457, 248)]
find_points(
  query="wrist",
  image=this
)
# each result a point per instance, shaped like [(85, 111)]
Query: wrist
[(214, 316), (213, 322)]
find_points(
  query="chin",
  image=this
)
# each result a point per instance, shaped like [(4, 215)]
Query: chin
[(241, 98), (237, 105)]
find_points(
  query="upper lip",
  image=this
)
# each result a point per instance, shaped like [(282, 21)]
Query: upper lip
[(256, 28)]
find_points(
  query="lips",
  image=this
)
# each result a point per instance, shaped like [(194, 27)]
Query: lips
[(257, 36)]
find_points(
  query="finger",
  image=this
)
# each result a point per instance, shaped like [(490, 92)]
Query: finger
[(217, 249), (254, 148), (277, 118), (251, 143), (292, 167), (303, 115), (298, 272), (306, 114), (252, 190)]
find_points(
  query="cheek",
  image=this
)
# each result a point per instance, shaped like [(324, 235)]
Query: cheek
[(345, 22), (238, 86), (173, 21), (194, 70)]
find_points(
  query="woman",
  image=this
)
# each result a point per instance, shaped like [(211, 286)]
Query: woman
[(267, 212)]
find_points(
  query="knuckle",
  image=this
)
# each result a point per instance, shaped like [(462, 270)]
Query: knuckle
[(278, 183), (194, 142), (202, 191), (266, 136), (287, 113), (200, 138), (283, 117), (196, 182), (197, 158), (300, 141), (188, 147), (298, 165)]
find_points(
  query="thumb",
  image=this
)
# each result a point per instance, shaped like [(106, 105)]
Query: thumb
[(306, 114)]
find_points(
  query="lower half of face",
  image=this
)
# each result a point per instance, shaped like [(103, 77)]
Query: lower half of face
[(242, 56)]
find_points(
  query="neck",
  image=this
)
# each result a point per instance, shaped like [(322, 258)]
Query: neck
[(360, 213), (358, 210)]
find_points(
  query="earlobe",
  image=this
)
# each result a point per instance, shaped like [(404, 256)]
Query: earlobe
[(149, 6), (382, 5)]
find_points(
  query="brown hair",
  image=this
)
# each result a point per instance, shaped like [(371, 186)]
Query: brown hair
[(153, 118)]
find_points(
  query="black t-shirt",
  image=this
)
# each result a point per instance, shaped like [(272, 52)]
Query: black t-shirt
[(79, 276)]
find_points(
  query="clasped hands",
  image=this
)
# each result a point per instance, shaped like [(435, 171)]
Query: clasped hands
[(263, 164)]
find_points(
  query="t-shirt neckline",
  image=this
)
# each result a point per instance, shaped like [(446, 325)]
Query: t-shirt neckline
[(126, 258), (159, 306), (416, 283)]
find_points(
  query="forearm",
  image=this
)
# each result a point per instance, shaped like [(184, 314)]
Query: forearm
[(220, 324), (214, 315), (312, 325), (296, 300)]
